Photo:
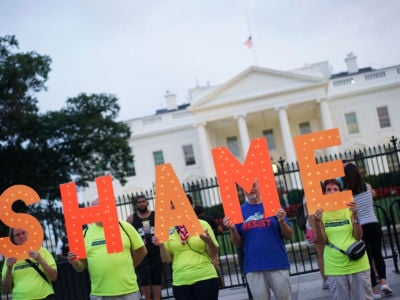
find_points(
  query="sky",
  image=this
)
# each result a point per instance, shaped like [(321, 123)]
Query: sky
[(138, 50)]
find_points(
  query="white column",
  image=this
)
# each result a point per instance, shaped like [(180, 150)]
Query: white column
[(325, 114), (205, 151), (286, 134), (244, 133), (326, 122)]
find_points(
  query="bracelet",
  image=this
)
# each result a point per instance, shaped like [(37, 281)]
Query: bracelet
[(355, 221)]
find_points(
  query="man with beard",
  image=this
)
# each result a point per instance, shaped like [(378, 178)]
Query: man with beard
[(150, 269), (265, 262)]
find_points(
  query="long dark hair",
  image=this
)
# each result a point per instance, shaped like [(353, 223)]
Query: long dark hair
[(353, 180)]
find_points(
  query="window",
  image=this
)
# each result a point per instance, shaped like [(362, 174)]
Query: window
[(383, 116), (305, 127), (351, 122), (188, 154), (158, 157), (375, 75), (131, 168), (269, 135), (233, 146)]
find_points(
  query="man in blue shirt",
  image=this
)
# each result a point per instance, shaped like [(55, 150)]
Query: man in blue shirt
[(266, 263)]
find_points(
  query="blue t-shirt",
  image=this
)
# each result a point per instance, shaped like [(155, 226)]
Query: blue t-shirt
[(263, 245)]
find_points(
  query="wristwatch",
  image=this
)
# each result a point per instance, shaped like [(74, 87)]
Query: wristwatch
[(355, 221)]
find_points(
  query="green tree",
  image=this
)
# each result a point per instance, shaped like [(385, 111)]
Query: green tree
[(44, 150)]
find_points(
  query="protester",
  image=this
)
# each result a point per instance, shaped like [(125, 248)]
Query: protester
[(217, 228), (149, 271), (62, 249), (29, 279), (349, 279), (372, 232), (112, 275), (193, 274), (266, 263)]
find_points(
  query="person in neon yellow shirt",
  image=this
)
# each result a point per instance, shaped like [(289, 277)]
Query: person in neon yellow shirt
[(349, 279), (20, 276), (193, 274), (112, 275)]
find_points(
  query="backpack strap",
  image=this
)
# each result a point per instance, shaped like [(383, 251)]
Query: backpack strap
[(336, 247), (129, 237), (37, 269)]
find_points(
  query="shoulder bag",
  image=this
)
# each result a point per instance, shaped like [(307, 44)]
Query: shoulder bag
[(355, 250)]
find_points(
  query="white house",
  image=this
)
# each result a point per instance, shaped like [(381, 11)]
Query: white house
[(364, 103)]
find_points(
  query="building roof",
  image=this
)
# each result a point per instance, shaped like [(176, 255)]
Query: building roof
[(344, 74)]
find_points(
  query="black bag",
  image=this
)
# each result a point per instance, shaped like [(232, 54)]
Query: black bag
[(301, 218), (355, 250)]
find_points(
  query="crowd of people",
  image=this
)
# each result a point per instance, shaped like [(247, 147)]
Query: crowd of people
[(136, 271)]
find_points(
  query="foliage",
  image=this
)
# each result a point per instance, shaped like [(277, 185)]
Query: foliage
[(44, 150)]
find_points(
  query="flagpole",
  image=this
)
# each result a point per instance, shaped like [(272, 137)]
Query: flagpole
[(250, 35)]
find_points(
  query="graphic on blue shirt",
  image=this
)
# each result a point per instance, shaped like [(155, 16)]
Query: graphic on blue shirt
[(255, 221), (256, 216)]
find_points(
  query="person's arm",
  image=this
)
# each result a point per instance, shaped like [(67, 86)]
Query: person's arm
[(236, 239), (79, 265), (212, 249), (357, 229), (7, 284), (49, 270), (319, 232), (129, 219), (138, 255), (369, 186), (166, 256), (286, 230)]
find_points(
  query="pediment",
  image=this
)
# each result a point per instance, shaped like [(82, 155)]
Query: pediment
[(255, 82)]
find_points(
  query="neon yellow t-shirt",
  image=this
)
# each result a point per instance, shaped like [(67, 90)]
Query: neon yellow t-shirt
[(111, 274), (27, 282), (190, 262), (339, 231)]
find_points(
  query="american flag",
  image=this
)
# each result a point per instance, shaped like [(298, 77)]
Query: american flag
[(249, 42)]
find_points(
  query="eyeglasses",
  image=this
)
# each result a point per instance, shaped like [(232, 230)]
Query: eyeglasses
[(142, 201)]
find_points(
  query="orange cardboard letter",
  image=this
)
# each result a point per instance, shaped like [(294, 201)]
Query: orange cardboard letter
[(105, 212), (20, 220), (312, 174), (172, 206), (230, 171)]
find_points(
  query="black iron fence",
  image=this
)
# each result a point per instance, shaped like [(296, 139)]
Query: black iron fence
[(380, 165)]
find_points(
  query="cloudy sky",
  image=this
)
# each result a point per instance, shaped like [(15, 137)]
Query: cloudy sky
[(137, 50)]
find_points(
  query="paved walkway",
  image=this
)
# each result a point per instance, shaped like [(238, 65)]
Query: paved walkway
[(309, 287)]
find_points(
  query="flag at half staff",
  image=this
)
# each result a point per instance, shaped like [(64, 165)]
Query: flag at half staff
[(249, 42)]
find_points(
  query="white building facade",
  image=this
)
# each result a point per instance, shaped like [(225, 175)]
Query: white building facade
[(363, 104)]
